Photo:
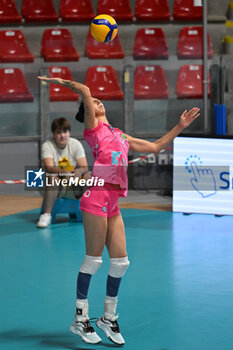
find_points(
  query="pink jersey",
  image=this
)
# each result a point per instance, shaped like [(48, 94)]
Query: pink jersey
[(110, 150)]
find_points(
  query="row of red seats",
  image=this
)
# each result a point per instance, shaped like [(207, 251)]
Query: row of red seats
[(82, 10), (149, 83), (150, 43), (57, 45)]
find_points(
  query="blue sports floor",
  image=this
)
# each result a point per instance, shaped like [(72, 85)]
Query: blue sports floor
[(176, 295)]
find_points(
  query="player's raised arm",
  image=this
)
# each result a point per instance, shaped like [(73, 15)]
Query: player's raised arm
[(84, 91), (140, 145)]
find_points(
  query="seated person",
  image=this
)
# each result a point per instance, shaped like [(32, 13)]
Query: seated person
[(62, 157)]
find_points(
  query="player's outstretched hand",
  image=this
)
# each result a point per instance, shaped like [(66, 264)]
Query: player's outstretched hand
[(53, 80), (188, 117)]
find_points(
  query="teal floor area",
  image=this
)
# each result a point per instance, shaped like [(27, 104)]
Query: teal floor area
[(176, 295)]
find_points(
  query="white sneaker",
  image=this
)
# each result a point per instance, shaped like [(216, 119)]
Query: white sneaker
[(44, 220), (111, 329), (85, 331)]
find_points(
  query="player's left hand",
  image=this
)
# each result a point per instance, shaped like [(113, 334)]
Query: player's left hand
[(188, 117)]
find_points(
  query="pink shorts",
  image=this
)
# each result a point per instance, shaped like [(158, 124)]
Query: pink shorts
[(101, 201)]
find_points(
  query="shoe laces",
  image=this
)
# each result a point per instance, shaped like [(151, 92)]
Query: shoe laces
[(115, 327), (114, 324), (87, 326)]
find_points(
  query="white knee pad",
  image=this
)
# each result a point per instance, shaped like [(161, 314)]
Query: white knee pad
[(91, 264), (118, 267)]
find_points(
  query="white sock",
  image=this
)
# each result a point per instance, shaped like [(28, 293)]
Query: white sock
[(81, 309), (110, 305)]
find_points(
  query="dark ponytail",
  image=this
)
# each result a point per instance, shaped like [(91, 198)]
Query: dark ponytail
[(80, 115)]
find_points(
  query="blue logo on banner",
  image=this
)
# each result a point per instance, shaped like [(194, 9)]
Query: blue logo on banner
[(202, 180), (35, 178)]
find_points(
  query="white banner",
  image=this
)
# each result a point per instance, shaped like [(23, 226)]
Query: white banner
[(203, 175)]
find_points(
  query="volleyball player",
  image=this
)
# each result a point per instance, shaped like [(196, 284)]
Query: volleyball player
[(102, 220)]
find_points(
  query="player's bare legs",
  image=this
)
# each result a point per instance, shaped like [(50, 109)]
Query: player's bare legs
[(116, 245), (95, 228)]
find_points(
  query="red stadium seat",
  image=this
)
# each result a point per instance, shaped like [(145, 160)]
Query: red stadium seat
[(152, 10), (120, 10), (185, 10), (111, 49), (39, 11), (150, 83), (58, 92), (13, 47), (190, 82), (150, 43), (103, 83), (57, 45), (9, 12), (13, 87), (76, 10), (190, 43)]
